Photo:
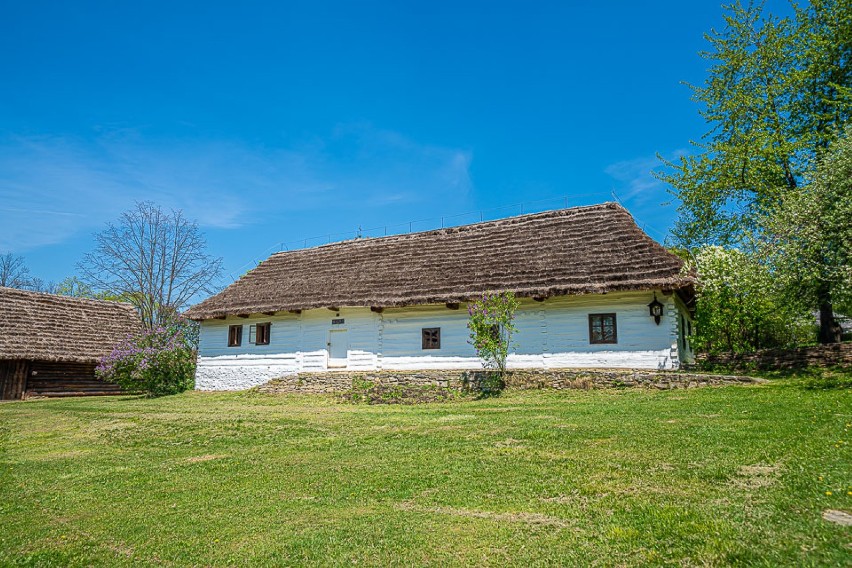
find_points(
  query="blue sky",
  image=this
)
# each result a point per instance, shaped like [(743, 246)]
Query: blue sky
[(273, 122)]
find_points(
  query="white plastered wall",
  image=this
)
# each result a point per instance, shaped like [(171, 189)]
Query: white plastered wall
[(550, 334)]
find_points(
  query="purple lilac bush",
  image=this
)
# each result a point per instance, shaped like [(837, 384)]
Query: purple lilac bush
[(157, 362)]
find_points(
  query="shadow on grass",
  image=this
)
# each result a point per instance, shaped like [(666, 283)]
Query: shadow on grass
[(810, 378), (368, 392)]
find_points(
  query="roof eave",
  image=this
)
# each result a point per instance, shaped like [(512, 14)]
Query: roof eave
[(685, 283)]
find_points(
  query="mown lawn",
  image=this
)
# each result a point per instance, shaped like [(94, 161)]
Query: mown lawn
[(712, 476)]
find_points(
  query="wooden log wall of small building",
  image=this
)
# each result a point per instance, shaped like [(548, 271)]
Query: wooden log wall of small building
[(13, 378), (66, 379)]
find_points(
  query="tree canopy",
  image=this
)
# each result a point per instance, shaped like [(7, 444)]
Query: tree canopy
[(777, 94), (776, 99)]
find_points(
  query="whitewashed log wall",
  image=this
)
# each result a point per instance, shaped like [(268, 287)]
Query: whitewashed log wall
[(551, 334)]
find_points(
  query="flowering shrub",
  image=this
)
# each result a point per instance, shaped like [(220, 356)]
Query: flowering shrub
[(157, 362), (491, 328)]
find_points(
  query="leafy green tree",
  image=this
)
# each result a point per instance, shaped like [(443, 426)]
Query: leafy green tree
[(738, 308), (73, 286), (808, 239), (777, 91), (491, 328)]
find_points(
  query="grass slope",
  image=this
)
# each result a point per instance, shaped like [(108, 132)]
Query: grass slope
[(709, 476)]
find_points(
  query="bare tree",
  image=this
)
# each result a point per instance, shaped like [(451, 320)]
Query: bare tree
[(156, 259), (13, 272)]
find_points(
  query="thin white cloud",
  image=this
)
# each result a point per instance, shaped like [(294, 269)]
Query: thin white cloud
[(636, 186), (52, 187), (635, 179)]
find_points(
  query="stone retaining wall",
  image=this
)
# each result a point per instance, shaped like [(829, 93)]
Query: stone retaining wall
[(339, 381), (836, 354)]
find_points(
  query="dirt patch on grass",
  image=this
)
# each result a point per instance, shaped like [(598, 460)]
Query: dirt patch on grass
[(509, 443), (529, 518), (841, 518), (455, 417), (204, 458), (756, 476), (66, 455)]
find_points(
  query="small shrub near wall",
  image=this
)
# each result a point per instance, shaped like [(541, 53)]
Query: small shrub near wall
[(491, 325), (157, 362)]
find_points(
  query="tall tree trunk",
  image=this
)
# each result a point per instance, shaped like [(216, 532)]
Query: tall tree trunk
[(826, 317)]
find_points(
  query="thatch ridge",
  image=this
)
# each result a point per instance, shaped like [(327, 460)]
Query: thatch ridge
[(591, 249), (48, 327)]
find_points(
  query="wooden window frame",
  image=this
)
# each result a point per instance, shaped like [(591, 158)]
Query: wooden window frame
[(262, 333), (259, 333), (235, 335), (430, 338), (599, 318)]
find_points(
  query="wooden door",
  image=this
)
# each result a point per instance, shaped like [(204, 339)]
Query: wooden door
[(338, 347)]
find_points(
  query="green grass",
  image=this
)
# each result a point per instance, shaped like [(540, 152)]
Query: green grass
[(712, 476)]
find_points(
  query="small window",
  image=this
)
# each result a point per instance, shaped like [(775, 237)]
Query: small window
[(235, 335), (602, 328), (263, 333), (259, 333), (431, 338)]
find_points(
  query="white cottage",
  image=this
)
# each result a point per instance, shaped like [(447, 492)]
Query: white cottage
[(585, 277)]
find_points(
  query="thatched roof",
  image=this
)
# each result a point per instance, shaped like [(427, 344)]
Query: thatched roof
[(47, 327), (580, 250)]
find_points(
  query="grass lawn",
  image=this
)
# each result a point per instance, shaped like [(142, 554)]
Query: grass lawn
[(711, 476)]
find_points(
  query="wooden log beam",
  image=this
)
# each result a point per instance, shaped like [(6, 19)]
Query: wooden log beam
[(334, 308), (453, 305), (14, 379), (377, 309)]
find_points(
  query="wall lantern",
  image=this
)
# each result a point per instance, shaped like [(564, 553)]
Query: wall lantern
[(656, 309)]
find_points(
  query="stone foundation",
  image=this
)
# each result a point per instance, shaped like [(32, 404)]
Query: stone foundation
[(339, 381)]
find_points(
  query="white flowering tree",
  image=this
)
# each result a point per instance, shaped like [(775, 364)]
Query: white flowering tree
[(809, 239), (739, 308)]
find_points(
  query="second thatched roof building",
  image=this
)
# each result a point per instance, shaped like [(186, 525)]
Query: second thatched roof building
[(49, 344)]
